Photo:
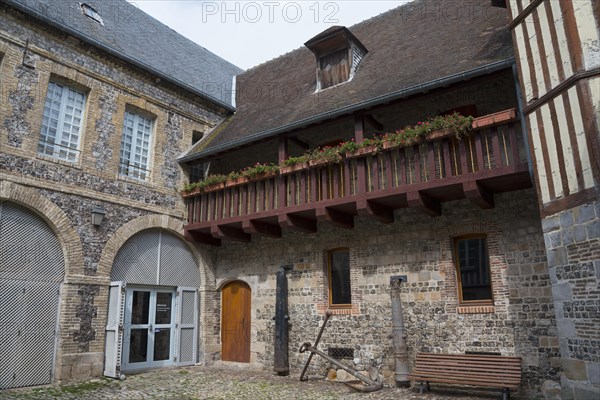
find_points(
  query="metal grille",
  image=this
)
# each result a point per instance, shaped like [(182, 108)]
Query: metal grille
[(177, 265), (341, 352), (188, 307), (137, 262), (186, 345), (31, 271)]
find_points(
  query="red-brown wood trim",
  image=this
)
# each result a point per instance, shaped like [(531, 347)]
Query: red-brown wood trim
[(592, 135), (297, 223), (335, 217), (478, 195), (573, 139), (559, 148), (229, 233), (375, 210), (559, 89), (425, 203), (203, 238), (554, 39), (261, 228), (523, 13), (496, 148), (545, 155), (572, 34), (566, 203)]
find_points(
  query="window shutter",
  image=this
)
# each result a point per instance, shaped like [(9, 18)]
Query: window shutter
[(186, 328), (114, 330)]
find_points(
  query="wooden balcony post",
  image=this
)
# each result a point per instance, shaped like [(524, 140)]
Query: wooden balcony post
[(281, 180), (359, 135)]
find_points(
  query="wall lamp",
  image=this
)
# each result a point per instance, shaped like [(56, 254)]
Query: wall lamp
[(98, 214)]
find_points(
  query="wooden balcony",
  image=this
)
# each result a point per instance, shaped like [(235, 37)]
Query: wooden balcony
[(490, 160)]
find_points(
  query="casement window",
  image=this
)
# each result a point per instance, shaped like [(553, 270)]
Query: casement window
[(62, 122), (473, 269), (339, 277), (197, 172), (135, 146)]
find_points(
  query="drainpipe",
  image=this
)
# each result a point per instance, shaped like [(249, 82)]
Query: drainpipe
[(522, 120), (281, 363), (400, 349)]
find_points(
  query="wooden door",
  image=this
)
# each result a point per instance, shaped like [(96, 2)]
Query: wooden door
[(235, 322)]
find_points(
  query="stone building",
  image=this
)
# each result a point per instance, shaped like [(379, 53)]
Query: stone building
[(496, 233), (97, 102), (495, 230)]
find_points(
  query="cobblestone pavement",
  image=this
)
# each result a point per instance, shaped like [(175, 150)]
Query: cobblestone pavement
[(220, 383)]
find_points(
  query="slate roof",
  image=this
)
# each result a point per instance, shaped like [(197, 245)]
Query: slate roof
[(136, 37), (409, 46)]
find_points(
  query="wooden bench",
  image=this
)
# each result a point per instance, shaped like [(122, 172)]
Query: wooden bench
[(488, 371)]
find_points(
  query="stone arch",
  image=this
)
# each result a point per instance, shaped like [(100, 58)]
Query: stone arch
[(221, 284), (128, 230), (56, 219)]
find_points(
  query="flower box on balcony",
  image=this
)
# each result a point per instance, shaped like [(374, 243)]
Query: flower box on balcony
[(362, 151), (263, 175), (237, 181), (190, 193), (288, 169), (440, 134), (213, 187), (495, 119)]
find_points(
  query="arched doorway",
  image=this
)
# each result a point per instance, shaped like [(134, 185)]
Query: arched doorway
[(235, 322), (32, 266), (152, 316)]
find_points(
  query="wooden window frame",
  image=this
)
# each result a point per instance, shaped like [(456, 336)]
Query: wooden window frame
[(329, 279), (483, 302), (127, 164)]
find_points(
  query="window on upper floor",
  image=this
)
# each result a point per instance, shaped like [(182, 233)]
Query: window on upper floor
[(473, 269), (136, 146), (62, 122), (338, 53), (338, 269)]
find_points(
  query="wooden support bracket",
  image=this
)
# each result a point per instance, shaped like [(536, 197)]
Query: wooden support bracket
[(301, 224), (335, 217), (203, 238), (425, 203), (261, 228), (229, 233), (478, 195), (375, 210)]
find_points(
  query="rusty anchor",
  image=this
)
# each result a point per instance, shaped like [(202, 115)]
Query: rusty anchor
[(368, 384)]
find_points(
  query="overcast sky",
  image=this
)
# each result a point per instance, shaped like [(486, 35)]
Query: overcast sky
[(248, 33)]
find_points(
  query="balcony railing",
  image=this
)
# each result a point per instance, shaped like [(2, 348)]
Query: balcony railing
[(489, 160)]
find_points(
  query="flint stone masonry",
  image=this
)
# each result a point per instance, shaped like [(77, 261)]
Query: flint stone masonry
[(107, 106), (522, 313), (22, 100)]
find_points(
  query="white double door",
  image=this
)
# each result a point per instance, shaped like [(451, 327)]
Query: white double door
[(150, 324)]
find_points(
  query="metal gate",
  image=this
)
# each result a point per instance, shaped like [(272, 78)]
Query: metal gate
[(153, 259), (31, 271)]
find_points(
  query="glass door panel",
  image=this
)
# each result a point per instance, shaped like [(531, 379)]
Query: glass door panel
[(149, 328)]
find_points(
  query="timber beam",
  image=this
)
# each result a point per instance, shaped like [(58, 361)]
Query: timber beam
[(478, 195), (375, 210), (230, 233), (335, 217), (204, 238), (261, 228), (295, 222), (425, 203)]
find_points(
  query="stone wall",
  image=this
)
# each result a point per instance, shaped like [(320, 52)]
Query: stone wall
[(64, 193), (573, 243), (521, 322)]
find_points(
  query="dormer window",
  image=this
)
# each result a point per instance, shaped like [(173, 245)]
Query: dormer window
[(338, 54), (91, 12)]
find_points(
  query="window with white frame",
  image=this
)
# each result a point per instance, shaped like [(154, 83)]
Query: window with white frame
[(62, 122), (135, 146)]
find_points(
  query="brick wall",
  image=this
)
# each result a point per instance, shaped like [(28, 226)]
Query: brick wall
[(521, 321)]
